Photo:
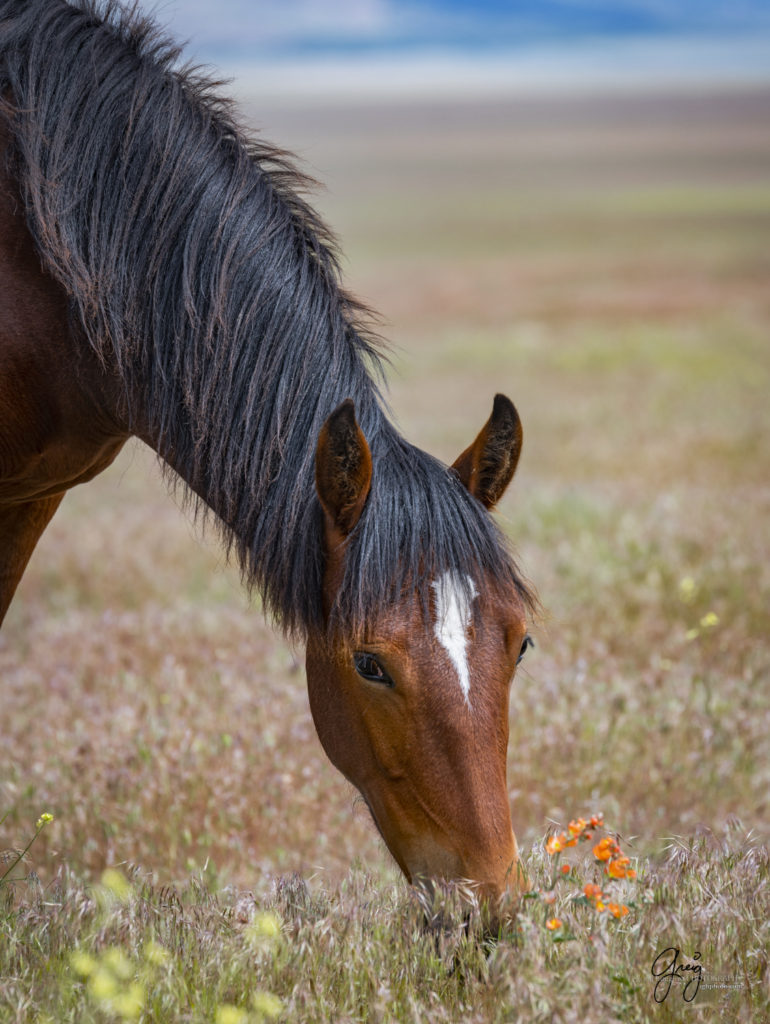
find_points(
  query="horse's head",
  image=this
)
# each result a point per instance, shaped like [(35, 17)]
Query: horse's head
[(413, 710)]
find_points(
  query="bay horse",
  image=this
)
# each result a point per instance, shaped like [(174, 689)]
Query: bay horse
[(162, 276)]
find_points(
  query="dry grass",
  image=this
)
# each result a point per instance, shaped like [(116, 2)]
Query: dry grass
[(606, 265), (362, 953)]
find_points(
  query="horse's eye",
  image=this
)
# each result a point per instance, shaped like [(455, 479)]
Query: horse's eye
[(369, 668), (528, 642)]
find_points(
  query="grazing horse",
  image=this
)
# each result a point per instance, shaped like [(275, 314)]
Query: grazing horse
[(161, 276)]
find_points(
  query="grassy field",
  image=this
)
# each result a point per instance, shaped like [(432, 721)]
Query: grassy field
[(605, 263)]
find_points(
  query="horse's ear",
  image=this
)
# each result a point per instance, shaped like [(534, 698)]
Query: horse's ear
[(343, 472), (487, 467)]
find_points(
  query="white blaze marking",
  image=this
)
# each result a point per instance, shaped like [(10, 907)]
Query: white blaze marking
[(453, 616)]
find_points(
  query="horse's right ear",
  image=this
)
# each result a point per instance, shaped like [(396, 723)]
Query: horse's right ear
[(343, 472)]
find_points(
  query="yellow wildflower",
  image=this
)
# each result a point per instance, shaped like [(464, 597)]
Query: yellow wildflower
[(82, 963), (229, 1014), (128, 1004), (103, 985), (118, 963), (263, 929), (156, 954), (267, 1005), (117, 885)]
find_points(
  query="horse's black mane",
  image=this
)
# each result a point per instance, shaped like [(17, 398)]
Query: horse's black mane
[(196, 270)]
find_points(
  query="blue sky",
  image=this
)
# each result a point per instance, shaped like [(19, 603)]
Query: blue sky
[(726, 38), (243, 27)]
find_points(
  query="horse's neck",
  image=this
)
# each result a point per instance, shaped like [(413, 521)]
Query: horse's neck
[(193, 474)]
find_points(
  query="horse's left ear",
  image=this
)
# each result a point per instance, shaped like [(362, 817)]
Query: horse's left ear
[(487, 467), (343, 472)]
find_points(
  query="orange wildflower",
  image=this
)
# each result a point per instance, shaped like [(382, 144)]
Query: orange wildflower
[(606, 848), (600, 906), (553, 923), (617, 909), (565, 869), (576, 826), (593, 892), (555, 844), (597, 820), (618, 867)]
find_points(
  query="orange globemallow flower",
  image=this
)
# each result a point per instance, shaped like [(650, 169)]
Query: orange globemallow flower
[(606, 848), (553, 924), (597, 820), (619, 868), (593, 892), (555, 844), (565, 869), (617, 909), (576, 826)]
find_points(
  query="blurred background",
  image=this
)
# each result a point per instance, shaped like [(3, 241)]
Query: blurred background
[(365, 48), (565, 201)]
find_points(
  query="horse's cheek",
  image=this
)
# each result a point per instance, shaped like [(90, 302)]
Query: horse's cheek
[(333, 715)]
